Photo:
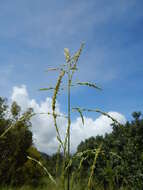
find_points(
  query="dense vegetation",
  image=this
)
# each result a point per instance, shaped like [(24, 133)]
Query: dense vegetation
[(15, 168), (119, 164)]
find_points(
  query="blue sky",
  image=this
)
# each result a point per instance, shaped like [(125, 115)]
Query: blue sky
[(34, 33)]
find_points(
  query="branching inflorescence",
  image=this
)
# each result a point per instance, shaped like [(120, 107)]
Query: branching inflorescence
[(69, 69)]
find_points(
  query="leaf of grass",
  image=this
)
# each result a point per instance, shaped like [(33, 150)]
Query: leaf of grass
[(93, 85), (106, 114), (44, 168), (80, 112), (45, 89)]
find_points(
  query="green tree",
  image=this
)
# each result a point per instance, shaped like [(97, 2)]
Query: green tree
[(120, 164), (15, 145)]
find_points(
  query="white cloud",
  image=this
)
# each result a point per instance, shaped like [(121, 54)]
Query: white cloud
[(99, 126), (43, 129)]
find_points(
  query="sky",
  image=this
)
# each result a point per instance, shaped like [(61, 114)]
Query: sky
[(33, 36)]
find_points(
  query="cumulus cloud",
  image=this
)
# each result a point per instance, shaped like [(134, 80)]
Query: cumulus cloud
[(43, 129), (99, 126)]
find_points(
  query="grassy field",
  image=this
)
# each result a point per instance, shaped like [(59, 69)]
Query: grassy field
[(53, 188)]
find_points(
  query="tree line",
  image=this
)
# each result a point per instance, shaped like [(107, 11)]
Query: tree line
[(118, 165)]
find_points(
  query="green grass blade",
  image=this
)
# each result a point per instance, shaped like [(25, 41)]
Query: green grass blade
[(93, 85), (44, 168)]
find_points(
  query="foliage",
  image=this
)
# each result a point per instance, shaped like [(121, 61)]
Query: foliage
[(15, 145), (120, 164)]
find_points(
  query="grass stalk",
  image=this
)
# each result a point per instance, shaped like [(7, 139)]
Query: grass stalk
[(69, 123)]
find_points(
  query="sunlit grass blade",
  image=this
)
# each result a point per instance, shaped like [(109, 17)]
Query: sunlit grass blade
[(93, 167), (93, 85), (44, 168), (98, 111), (24, 117), (6, 131), (45, 89), (57, 68), (80, 112), (53, 69), (107, 115), (67, 55)]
